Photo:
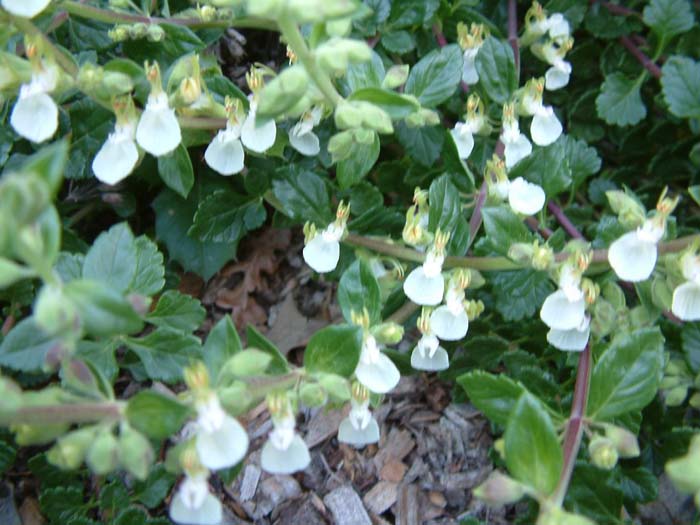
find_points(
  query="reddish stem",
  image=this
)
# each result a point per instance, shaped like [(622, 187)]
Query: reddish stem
[(513, 31), (534, 224), (637, 53), (564, 221)]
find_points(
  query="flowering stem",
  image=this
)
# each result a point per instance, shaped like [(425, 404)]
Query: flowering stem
[(513, 32), (574, 427), (290, 31), (564, 220), (70, 413), (27, 27)]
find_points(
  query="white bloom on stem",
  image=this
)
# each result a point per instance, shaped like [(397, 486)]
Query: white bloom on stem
[(375, 370), (450, 322), (158, 131), (633, 256), (193, 504), (463, 136), (572, 340), (686, 297), (302, 137), (425, 285), (517, 146), (470, 75), (323, 251), (258, 135), (545, 127), (225, 152), (221, 441), (285, 451), (25, 8), (359, 428), (558, 26), (558, 75), (35, 114), (428, 355), (565, 309), (525, 197), (118, 155)]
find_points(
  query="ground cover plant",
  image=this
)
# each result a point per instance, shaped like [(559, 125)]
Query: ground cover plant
[(501, 193)]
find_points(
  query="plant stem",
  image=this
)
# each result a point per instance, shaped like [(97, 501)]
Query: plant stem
[(71, 413), (27, 27), (637, 53), (564, 220), (513, 32), (290, 31), (574, 427)]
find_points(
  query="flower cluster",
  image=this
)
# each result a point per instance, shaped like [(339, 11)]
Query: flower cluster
[(470, 39), (284, 451)]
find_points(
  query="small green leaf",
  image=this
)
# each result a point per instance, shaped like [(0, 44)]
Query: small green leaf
[(520, 293), (153, 490), (149, 277), (112, 258), (399, 42), (257, 340), (495, 64), (69, 266), (8, 453), (359, 290), (638, 484), (493, 395), (680, 83), (627, 375), (435, 77), (690, 344), (175, 169), (177, 311), (548, 167), (593, 493), (303, 194), (222, 342), (61, 504), (226, 216), (165, 353), (360, 161), (619, 101), (504, 228), (445, 206), (11, 272), (668, 18), (583, 159), (334, 349), (364, 75), (533, 453), (49, 164), (423, 145), (156, 415), (396, 105)]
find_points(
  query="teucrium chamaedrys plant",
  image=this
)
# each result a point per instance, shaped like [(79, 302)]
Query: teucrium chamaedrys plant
[(392, 147)]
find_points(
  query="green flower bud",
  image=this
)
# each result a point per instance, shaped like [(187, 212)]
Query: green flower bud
[(155, 33), (613, 293), (135, 452), (10, 396), (103, 455), (248, 363), (685, 472), (363, 136), (283, 91), (236, 398), (340, 145), (26, 435), (339, 27), (348, 115), (137, 31), (388, 333), (675, 396), (119, 33), (396, 76), (378, 119), (500, 446), (604, 320), (629, 212), (624, 441), (499, 489), (694, 400), (53, 311), (70, 450), (337, 387), (313, 395), (661, 293), (265, 8), (603, 452), (336, 54)]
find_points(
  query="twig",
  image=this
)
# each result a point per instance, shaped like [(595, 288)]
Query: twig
[(564, 221), (513, 31), (637, 53)]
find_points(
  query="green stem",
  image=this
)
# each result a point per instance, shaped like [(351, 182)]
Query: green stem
[(290, 31), (27, 27), (56, 414)]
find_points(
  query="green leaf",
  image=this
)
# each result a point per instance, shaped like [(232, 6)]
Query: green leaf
[(638, 484), (423, 145), (131, 516), (149, 277), (680, 83), (303, 194), (364, 75), (175, 169), (359, 290), (435, 77), (690, 343), (627, 375), (668, 18), (399, 42), (380, 9), (8, 453), (445, 206), (362, 157), (619, 101), (495, 64), (112, 258), (156, 415), (334, 349), (504, 228), (61, 504), (407, 13), (396, 105), (494, 395), (165, 352), (153, 490), (278, 365), (533, 453), (69, 266), (226, 216), (583, 159), (222, 342), (103, 312), (177, 311), (49, 164), (593, 493), (548, 167)]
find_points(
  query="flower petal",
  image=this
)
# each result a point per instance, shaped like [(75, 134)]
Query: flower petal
[(439, 361), (422, 289), (158, 131), (35, 117), (561, 314), (573, 340), (209, 513), (347, 433), (378, 377), (556, 78), (686, 302), (545, 127), (25, 8), (295, 458), (447, 326), (224, 447), (322, 255), (525, 197), (470, 75), (463, 141), (517, 150), (225, 156), (305, 143), (258, 134), (631, 258), (115, 160)]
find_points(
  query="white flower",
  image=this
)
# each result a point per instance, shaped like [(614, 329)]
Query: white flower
[(633, 256), (158, 131), (118, 155), (425, 285), (221, 441), (686, 297), (25, 8), (449, 322), (225, 153), (558, 75), (258, 135), (301, 135), (375, 370), (558, 27), (545, 127), (35, 114), (517, 147), (525, 197), (469, 73), (284, 452), (359, 428), (561, 313), (323, 251), (573, 340), (429, 355), (194, 504), (463, 136)]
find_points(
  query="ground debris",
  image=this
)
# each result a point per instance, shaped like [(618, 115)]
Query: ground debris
[(346, 507)]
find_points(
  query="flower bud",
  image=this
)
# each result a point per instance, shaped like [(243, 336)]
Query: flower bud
[(630, 213), (685, 471), (604, 319), (339, 146), (248, 363), (155, 33), (347, 115), (499, 489), (363, 136), (388, 333), (339, 27), (235, 398), (70, 450), (336, 54), (119, 33), (661, 293), (53, 311), (337, 387), (103, 454), (603, 452), (283, 91), (500, 446), (135, 452), (624, 441), (675, 396), (139, 30), (313, 395), (694, 400), (614, 294), (396, 76)]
